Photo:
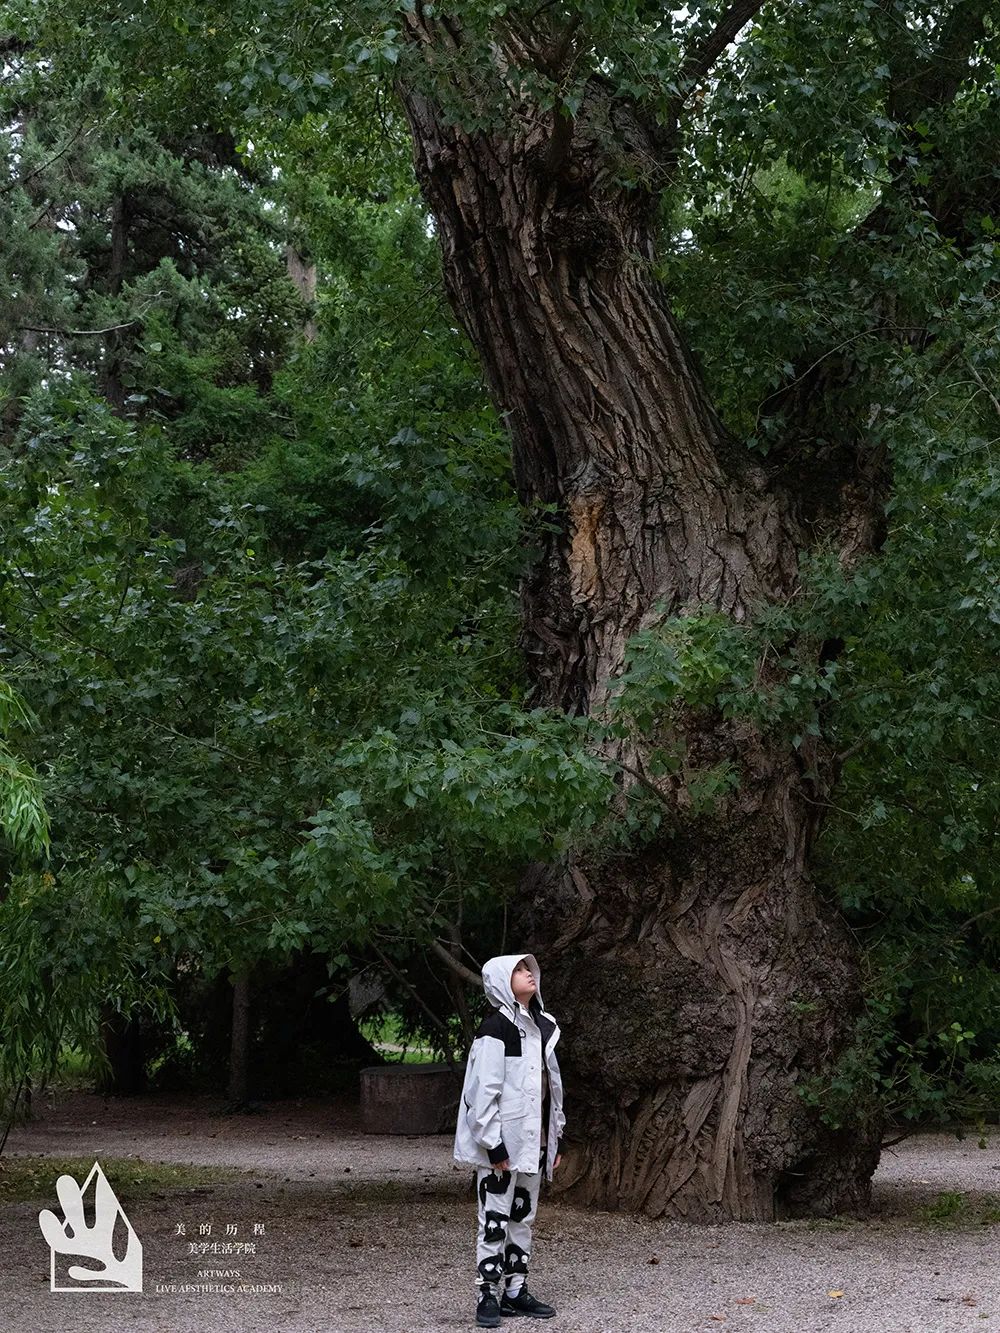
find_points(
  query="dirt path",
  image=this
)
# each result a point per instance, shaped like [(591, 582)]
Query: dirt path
[(373, 1233)]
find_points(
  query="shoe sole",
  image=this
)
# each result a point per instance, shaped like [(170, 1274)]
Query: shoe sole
[(489, 1323), (523, 1314)]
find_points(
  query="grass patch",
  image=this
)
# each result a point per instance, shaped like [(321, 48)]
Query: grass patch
[(74, 1069), (33, 1179), (955, 1209), (387, 1034)]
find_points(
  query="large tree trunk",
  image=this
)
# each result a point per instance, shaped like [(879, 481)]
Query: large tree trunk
[(238, 1087), (125, 1048), (115, 342), (701, 980)]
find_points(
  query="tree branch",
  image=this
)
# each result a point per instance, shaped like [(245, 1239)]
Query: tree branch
[(935, 81), (926, 85), (23, 180), (698, 63), (94, 333), (921, 82), (76, 333), (706, 53), (456, 977), (458, 968), (985, 387), (435, 1021)]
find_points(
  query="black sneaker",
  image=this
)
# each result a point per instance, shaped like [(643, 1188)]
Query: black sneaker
[(488, 1310), (525, 1303)]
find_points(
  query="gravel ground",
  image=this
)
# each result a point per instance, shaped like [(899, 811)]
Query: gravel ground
[(374, 1233)]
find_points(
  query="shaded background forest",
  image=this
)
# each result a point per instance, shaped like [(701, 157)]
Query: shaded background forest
[(258, 595)]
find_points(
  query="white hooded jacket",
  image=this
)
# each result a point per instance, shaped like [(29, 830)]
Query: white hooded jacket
[(500, 1113)]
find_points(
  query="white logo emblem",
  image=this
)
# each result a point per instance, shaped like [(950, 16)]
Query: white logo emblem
[(118, 1271)]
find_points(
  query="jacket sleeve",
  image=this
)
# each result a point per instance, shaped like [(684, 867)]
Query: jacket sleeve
[(560, 1118), (482, 1095)]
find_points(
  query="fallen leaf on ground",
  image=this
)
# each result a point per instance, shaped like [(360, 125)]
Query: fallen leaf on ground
[(746, 1300), (835, 1293)]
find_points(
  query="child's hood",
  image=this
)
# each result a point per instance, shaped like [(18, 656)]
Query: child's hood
[(496, 979)]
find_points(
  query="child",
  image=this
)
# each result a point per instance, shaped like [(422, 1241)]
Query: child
[(510, 1123)]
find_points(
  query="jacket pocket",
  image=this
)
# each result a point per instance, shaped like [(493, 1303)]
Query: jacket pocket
[(513, 1106)]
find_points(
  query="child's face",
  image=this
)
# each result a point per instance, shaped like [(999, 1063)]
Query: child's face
[(522, 982)]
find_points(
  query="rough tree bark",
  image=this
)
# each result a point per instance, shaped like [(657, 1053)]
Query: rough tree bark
[(303, 274), (701, 980)]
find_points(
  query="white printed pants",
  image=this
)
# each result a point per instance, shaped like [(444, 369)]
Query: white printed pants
[(507, 1204)]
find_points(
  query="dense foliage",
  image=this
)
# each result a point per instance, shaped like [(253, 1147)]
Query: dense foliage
[(262, 605), (260, 547)]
